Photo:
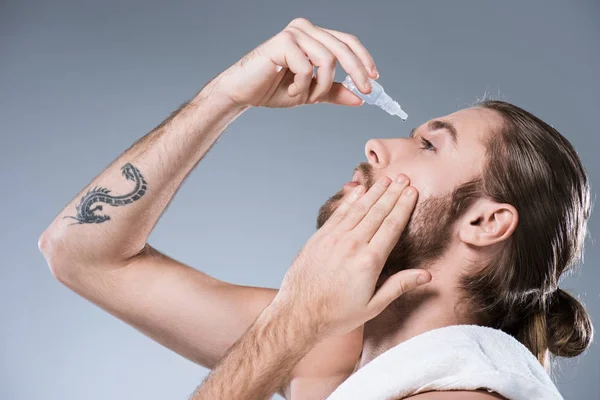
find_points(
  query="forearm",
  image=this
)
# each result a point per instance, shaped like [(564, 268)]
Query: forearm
[(159, 162), (258, 364)]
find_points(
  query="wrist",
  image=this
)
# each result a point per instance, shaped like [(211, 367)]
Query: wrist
[(215, 91), (261, 361), (299, 326)]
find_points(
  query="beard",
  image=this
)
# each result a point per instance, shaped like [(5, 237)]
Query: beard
[(424, 240)]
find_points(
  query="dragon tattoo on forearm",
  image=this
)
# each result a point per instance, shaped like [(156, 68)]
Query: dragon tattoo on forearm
[(87, 215)]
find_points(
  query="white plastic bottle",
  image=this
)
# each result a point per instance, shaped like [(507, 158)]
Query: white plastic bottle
[(377, 97)]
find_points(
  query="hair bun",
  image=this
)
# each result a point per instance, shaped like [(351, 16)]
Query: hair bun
[(569, 328)]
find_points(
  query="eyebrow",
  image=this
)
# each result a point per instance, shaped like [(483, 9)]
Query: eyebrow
[(439, 124)]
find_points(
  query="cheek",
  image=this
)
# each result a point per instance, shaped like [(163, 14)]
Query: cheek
[(429, 181)]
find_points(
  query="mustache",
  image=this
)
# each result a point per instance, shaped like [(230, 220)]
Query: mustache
[(365, 171)]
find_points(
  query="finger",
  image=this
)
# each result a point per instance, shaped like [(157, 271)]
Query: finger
[(361, 207), (297, 61), (358, 48), (349, 61), (321, 57), (290, 56), (389, 233), (395, 286), (342, 96), (285, 78), (376, 216), (342, 209)]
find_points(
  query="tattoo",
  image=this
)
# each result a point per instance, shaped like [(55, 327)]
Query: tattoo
[(85, 212)]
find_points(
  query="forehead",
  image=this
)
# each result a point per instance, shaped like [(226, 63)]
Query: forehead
[(473, 124)]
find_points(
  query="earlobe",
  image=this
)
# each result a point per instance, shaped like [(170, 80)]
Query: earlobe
[(488, 223)]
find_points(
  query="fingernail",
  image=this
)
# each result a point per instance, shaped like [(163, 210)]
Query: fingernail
[(374, 70), (421, 279), (356, 192), (401, 178), (409, 192), (385, 181)]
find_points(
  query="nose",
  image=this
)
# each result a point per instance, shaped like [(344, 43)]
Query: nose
[(376, 153)]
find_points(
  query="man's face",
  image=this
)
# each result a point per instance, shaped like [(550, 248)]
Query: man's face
[(437, 157)]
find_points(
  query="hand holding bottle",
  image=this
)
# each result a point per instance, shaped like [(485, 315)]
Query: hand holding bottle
[(279, 72), (377, 97)]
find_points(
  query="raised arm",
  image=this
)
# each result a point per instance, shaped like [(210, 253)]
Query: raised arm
[(97, 245)]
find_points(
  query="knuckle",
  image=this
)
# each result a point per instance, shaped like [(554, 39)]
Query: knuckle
[(351, 59), (403, 287), (293, 29), (351, 243), (287, 35), (378, 211), (357, 66), (345, 47), (392, 222), (369, 259), (299, 21), (395, 192), (328, 59), (360, 209), (290, 30), (329, 241), (352, 38)]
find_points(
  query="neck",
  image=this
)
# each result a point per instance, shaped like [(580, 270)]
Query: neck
[(428, 307)]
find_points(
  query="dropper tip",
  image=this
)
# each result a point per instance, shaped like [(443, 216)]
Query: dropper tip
[(402, 114)]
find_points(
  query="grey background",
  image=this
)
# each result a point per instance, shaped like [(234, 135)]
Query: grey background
[(80, 81)]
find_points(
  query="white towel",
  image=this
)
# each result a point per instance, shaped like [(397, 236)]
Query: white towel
[(454, 357)]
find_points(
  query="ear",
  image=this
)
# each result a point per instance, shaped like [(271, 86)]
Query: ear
[(487, 222)]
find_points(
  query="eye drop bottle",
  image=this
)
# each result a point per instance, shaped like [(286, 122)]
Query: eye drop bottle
[(377, 97)]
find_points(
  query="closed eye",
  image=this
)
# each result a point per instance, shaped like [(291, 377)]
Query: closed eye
[(426, 144)]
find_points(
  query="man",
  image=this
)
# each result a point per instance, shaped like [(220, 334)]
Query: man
[(485, 194)]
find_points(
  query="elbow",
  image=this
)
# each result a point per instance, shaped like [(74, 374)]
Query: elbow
[(52, 249)]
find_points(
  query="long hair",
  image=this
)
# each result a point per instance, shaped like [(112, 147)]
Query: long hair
[(531, 166)]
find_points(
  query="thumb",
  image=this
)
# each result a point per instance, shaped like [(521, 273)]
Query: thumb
[(395, 286), (342, 96)]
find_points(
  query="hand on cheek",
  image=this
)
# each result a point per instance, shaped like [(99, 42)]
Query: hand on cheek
[(332, 280)]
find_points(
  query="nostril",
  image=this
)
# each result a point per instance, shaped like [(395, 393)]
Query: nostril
[(374, 155)]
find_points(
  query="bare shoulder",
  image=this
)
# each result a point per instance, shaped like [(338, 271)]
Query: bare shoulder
[(457, 395)]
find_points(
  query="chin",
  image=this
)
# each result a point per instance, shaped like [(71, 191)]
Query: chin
[(329, 207)]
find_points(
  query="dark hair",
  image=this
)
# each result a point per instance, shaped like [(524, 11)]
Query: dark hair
[(535, 169)]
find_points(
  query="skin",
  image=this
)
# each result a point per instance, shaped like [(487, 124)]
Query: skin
[(475, 236), (111, 264), (327, 291), (298, 318)]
